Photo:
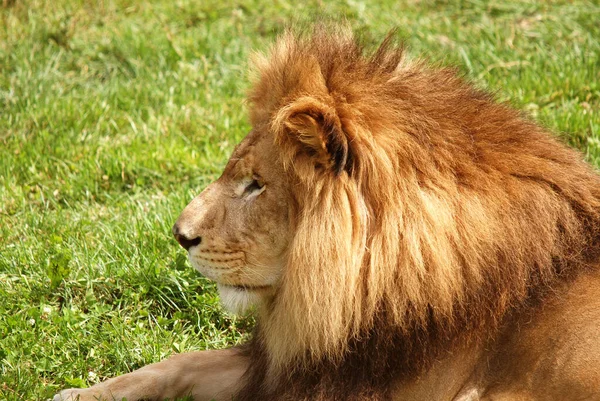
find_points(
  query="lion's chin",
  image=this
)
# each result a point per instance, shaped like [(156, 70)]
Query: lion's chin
[(239, 299)]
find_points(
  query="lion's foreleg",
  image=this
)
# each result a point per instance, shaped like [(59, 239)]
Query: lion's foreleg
[(205, 375)]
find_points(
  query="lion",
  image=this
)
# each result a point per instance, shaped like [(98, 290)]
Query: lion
[(399, 234)]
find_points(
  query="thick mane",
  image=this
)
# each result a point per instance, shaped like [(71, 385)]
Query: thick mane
[(426, 213)]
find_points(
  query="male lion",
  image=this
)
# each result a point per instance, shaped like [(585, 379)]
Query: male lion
[(402, 236)]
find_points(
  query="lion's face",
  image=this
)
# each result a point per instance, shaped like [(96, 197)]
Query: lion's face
[(236, 230)]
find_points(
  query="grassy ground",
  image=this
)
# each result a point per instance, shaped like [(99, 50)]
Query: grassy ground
[(114, 113)]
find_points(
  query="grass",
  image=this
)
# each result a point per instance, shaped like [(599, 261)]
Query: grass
[(113, 114)]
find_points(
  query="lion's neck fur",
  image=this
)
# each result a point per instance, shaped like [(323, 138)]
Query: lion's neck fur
[(454, 213)]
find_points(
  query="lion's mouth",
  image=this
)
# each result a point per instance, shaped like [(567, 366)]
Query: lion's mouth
[(246, 287)]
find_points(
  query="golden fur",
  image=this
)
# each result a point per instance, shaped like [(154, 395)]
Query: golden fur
[(403, 236), (450, 209)]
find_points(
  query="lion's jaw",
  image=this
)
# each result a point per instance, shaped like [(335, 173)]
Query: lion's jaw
[(241, 221), (238, 300)]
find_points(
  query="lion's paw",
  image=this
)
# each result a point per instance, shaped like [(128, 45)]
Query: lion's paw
[(74, 394)]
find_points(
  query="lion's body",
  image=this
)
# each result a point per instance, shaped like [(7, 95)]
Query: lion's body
[(551, 352), (403, 236)]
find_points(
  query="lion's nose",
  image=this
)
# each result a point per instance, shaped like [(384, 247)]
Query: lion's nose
[(184, 241)]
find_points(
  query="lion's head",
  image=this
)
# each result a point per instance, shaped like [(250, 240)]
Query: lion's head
[(376, 195), (237, 230)]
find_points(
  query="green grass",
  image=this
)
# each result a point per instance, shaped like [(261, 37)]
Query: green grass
[(113, 114)]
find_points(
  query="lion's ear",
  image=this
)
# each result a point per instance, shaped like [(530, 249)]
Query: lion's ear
[(317, 129)]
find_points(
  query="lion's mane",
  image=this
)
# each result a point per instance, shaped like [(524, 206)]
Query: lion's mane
[(426, 213)]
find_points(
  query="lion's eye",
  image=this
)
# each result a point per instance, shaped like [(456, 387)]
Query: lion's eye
[(253, 187)]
